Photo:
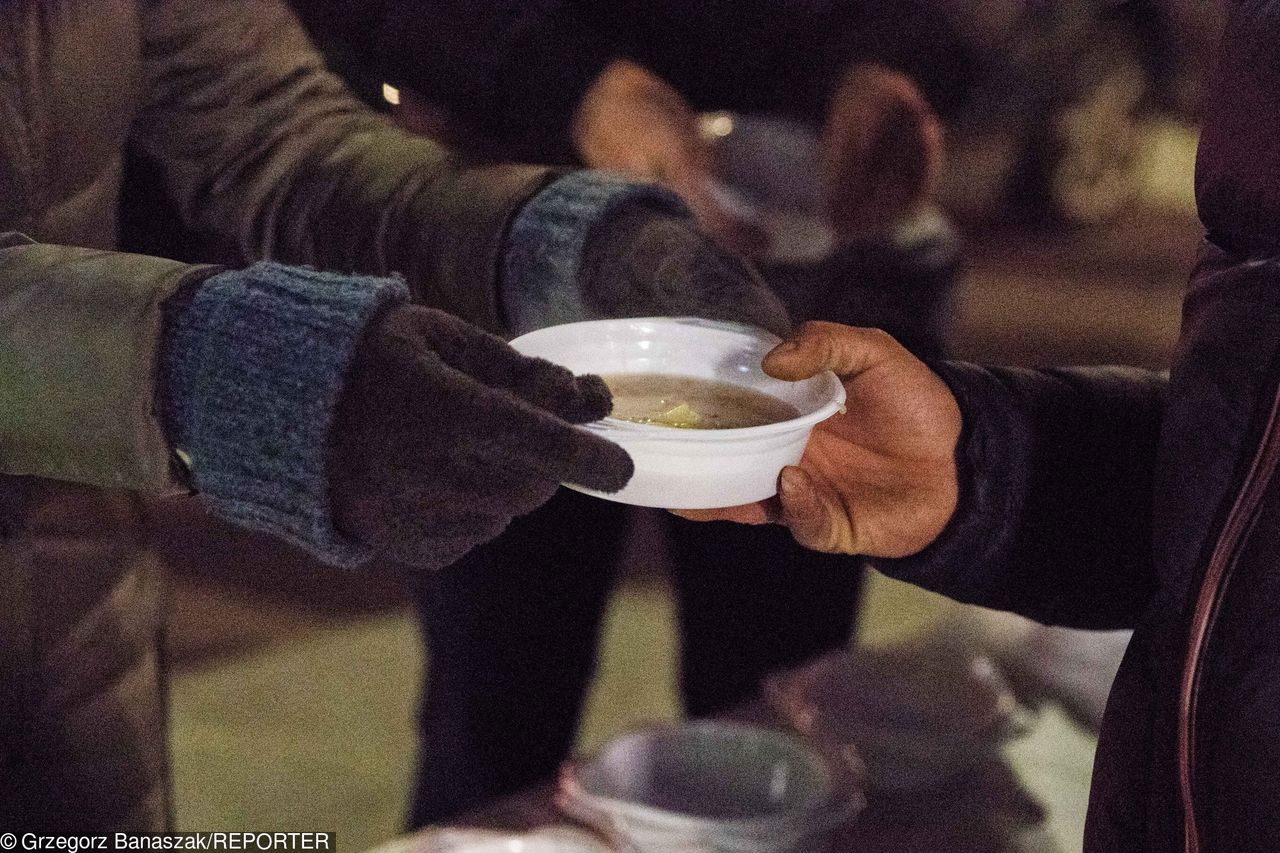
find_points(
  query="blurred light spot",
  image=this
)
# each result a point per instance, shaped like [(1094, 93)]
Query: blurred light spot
[(720, 124), (390, 94)]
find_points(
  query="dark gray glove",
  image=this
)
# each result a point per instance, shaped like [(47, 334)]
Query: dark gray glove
[(640, 263), (445, 433)]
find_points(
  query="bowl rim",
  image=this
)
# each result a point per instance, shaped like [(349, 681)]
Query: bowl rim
[(610, 426), (461, 839), (570, 786)]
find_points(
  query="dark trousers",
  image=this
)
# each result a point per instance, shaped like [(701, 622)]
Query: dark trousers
[(512, 629)]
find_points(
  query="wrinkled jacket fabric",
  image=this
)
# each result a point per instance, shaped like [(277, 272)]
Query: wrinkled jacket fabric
[(260, 149), (1114, 498)]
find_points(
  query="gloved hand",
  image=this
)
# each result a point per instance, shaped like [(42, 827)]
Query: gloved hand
[(640, 263), (445, 433), (318, 407), (594, 246)]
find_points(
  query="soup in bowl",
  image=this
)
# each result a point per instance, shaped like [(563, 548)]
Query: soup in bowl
[(703, 423)]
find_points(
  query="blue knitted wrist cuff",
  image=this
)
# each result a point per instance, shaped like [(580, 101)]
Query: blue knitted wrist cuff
[(541, 282), (253, 371)]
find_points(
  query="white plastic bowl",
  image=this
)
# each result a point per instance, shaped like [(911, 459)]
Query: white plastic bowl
[(711, 787), (554, 839), (682, 468)]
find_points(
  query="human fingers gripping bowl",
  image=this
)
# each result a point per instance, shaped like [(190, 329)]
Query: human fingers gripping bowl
[(879, 479), (556, 450), (814, 513)]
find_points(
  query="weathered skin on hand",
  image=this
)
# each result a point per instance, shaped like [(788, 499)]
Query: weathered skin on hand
[(879, 480)]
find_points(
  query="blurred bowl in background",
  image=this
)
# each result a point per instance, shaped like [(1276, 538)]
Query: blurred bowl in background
[(709, 786), (914, 716), (768, 173), (553, 839)]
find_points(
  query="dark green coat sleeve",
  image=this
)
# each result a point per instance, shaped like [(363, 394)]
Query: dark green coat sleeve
[(79, 331), (263, 148)]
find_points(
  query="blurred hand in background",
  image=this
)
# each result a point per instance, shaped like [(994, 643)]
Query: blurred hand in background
[(881, 149), (634, 122)]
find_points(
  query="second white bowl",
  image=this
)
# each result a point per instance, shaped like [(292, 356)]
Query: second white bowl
[(709, 787)]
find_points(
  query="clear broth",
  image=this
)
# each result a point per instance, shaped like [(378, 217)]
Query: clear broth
[(683, 402)]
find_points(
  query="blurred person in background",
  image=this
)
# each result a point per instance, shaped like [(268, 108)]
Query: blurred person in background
[(1057, 123), (620, 86), (1055, 90), (336, 410), (1105, 497), (511, 630)]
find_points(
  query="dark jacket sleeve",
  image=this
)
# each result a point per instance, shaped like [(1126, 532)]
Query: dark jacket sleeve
[(1057, 471), (1238, 160), (262, 147)]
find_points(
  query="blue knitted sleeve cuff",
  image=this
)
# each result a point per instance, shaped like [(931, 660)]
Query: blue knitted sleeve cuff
[(254, 367), (541, 281)]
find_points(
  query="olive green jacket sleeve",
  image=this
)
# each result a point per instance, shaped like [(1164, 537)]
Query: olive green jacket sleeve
[(79, 331), (261, 146)]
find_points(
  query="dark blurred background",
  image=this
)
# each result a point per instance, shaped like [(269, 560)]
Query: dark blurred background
[(1079, 219)]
